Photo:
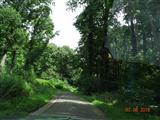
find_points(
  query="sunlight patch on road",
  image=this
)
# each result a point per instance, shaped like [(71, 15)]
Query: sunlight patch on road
[(71, 101)]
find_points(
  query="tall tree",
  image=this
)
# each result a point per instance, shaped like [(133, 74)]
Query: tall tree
[(93, 25), (12, 34), (37, 22)]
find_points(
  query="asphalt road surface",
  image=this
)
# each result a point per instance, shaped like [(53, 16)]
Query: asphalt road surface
[(67, 106)]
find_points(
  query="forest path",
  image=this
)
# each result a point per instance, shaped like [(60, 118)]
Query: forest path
[(70, 106)]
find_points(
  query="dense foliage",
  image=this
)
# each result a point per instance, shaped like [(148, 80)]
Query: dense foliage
[(118, 53), (119, 49), (25, 31), (56, 62)]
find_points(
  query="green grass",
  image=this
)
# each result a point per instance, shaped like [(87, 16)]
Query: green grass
[(43, 92), (116, 111), (23, 105)]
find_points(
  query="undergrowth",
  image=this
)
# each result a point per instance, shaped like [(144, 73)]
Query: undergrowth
[(19, 98)]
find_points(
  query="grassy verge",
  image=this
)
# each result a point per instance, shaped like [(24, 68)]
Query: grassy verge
[(116, 112), (43, 92)]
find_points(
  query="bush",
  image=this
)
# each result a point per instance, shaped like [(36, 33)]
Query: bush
[(49, 74), (62, 84), (59, 86), (29, 75), (12, 85), (89, 84)]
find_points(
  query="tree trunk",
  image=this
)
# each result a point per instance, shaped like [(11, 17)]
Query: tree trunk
[(105, 27), (133, 38), (154, 33), (90, 45), (2, 65), (29, 58), (144, 42), (13, 60), (105, 18), (105, 52)]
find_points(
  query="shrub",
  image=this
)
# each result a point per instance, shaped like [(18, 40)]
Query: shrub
[(29, 75), (89, 84), (59, 86), (49, 74), (12, 85)]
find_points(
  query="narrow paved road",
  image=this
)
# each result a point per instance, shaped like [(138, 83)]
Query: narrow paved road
[(72, 107)]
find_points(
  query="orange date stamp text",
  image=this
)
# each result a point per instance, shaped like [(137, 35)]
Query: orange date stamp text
[(137, 109)]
